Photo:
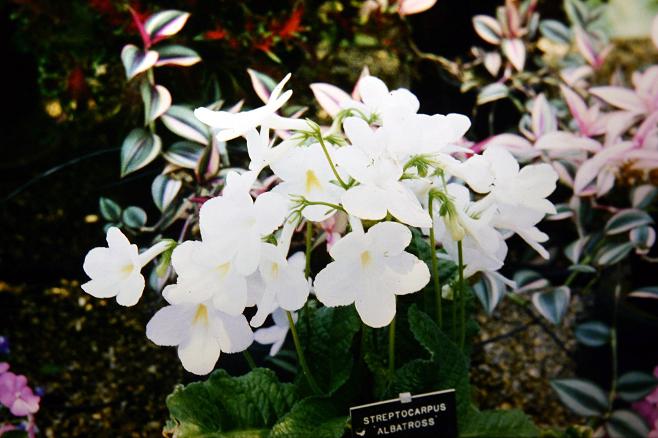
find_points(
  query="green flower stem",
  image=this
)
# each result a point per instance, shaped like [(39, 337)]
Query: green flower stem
[(327, 204), (435, 269), (309, 248), (250, 359), (391, 349), (331, 163), (151, 79), (300, 355), (462, 297)]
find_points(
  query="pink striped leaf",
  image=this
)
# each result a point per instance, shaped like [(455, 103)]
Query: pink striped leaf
[(330, 97), (544, 120), (488, 28), (619, 97), (164, 24), (515, 51), (177, 55), (136, 61), (410, 7), (262, 83)]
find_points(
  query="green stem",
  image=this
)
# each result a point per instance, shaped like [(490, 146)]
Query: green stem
[(300, 355), (613, 349), (309, 247), (331, 163), (328, 204), (151, 79), (462, 297), (391, 349), (250, 359), (435, 269)]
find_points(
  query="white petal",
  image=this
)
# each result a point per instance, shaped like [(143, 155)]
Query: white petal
[(248, 256), (103, 287), (337, 284), (131, 289), (414, 280), (269, 335), (373, 91), (199, 353), (389, 238), (98, 262), (233, 332), (292, 289), (405, 207), (375, 309), (270, 210), (365, 202), (233, 297), (170, 325)]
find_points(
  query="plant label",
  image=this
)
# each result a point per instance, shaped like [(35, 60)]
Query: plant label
[(424, 415)]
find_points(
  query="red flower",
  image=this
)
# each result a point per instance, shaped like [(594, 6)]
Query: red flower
[(292, 25)]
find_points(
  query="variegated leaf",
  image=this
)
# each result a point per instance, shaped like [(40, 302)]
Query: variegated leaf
[(488, 28), (543, 117), (136, 61), (635, 385), (139, 148), (110, 210), (410, 7), (527, 280), (650, 292), (625, 423), (626, 220), (164, 24), (492, 62), (489, 290), (330, 97), (613, 253), (134, 217), (515, 52), (552, 304), (584, 269), (581, 396), (156, 99), (184, 154), (164, 190), (555, 31), (492, 92), (262, 84), (642, 238), (593, 333), (177, 55), (642, 196), (563, 211), (181, 121)]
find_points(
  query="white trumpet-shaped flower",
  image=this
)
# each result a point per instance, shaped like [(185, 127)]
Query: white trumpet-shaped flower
[(275, 335), (234, 125), (200, 332), (380, 104), (115, 271), (380, 189), (369, 270), (236, 223), (522, 221), (207, 272), (306, 172)]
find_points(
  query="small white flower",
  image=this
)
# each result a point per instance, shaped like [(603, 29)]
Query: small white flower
[(115, 271), (378, 103), (306, 172), (236, 223), (380, 190), (200, 332), (369, 269), (275, 334), (234, 125), (522, 221)]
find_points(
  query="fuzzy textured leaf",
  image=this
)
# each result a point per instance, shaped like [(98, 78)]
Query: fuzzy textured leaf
[(312, 417), (498, 424)]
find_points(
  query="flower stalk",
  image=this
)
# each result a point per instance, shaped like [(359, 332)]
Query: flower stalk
[(300, 355), (435, 268)]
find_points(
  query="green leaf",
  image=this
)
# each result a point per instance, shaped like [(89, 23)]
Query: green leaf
[(157, 100), (229, 407), (452, 364), (552, 304), (593, 333), (312, 417), (139, 148), (133, 217), (626, 424), (498, 424), (327, 341), (635, 385), (581, 396), (583, 269), (489, 290), (110, 210), (164, 190), (166, 23), (626, 220), (650, 292), (555, 31)]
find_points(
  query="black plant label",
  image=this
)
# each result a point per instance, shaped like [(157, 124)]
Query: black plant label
[(432, 414)]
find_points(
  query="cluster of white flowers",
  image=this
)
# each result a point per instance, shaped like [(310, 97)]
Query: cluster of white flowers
[(379, 161)]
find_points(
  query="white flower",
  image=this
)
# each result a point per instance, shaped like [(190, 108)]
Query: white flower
[(369, 269), (278, 282), (527, 187), (261, 152), (387, 107), (207, 272), (275, 334), (380, 190), (306, 172), (522, 221), (237, 224), (115, 271), (234, 125), (200, 332)]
